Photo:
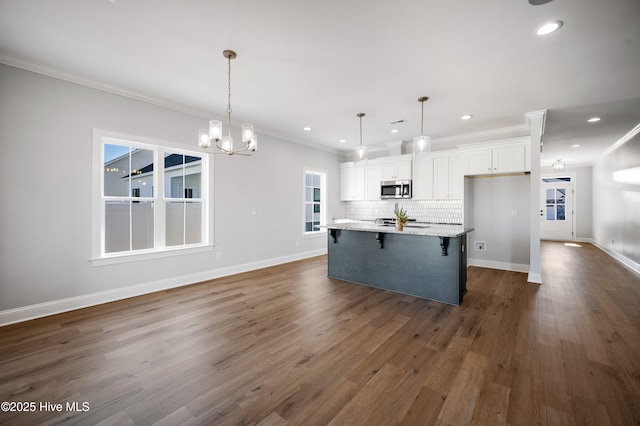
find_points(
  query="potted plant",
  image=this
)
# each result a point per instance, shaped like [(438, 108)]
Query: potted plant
[(401, 217)]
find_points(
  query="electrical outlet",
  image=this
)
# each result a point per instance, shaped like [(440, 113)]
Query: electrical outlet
[(480, 246)]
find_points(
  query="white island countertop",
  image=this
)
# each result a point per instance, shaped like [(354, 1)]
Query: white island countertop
[(432, 230)]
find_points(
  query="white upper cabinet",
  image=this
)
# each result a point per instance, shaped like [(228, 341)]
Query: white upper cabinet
[(374, 176), (422, 186), (352, 182), (448, 176), (395, 168), (499, 158)]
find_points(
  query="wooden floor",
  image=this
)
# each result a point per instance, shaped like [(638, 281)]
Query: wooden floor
[(287, 345)]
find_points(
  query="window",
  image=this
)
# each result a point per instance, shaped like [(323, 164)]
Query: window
[(555, 203), (148, 197), (314, 201)]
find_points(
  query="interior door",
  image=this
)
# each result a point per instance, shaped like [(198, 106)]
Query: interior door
[(556, 211)]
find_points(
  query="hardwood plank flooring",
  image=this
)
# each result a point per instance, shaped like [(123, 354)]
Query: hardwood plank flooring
[(288, 346)]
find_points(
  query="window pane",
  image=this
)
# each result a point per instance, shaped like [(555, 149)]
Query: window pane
[(142, 171), (174, 229), (142, 225), (183, 176), (116, 170), (560, 195), (551, 212), (308, 194), (316, 208), (117, 226), (551, 198), (560, 215), (193, 228), (308, 212), (308, 179), (316, 194), (316, 181)]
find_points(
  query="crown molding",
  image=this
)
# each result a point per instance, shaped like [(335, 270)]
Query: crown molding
[(486, 135), (102, 86)]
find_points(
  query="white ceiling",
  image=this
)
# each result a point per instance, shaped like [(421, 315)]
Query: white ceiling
[(318, 64)]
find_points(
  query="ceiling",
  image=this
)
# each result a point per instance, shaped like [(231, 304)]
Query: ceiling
[(318, 64)]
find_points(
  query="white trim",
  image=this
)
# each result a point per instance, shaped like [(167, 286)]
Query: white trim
[(116, 258), (26, 313), (534, 278), (505, 266), (491, 134), (159, 148), (631, 264)]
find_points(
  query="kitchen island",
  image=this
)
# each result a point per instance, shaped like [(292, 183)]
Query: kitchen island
[(428, 261)]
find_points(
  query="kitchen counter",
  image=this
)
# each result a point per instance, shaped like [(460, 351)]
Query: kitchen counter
[(436, 230), (427, 261)]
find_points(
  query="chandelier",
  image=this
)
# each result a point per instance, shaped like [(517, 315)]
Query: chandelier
[(361, 151), (558, 166), (224, 144), (422, 143)]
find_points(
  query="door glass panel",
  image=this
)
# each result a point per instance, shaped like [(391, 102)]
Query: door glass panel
[(551, 199), (560, 214), (551, 212)]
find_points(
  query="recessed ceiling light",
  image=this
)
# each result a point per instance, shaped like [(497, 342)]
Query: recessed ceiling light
[(575, 146), (466, 117), (548, 28), (307, 129), (593, 120), (342, 141), (394, 130)]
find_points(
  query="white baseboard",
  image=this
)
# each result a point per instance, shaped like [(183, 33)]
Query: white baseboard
[(39, 310), (516, 267), (634, 266)]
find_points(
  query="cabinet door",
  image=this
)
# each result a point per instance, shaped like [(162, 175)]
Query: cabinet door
[(347, 183), (448, 177), (508, 159), (403, 170), (456, 177), (423, 178), (388, 171), (374, 174), (441, 177), (478, 162), (360, 182)]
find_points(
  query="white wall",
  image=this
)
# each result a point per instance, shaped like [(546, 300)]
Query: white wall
[(616, 205), (498, 209), (45, 217)]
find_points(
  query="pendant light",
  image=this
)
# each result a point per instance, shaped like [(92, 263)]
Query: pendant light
[(422, 143), (361, 152), (224, 144)]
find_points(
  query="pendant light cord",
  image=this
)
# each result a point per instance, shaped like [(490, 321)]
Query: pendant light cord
[(229, 100), (422, 120)]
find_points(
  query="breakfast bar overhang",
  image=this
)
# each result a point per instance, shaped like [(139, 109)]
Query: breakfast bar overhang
[(424, 261)]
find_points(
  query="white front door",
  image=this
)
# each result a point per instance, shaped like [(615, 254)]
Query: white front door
[(556, 211)]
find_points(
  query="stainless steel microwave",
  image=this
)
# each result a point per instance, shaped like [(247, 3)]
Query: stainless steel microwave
[(395, 189)]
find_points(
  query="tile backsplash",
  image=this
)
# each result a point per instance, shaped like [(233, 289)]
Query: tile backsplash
[(436, 211)]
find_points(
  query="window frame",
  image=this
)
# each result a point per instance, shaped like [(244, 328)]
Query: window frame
[(323, 201), (159, 148)]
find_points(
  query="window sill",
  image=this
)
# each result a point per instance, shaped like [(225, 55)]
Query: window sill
[(114, 259)]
